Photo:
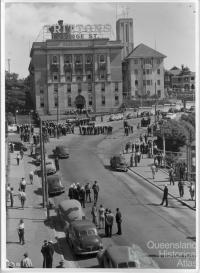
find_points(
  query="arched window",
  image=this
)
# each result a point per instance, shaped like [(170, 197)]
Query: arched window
[(102, 59), (55, 59)]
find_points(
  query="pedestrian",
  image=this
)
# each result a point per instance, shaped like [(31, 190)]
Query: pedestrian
[(153, 169), (118, 218), (171, 176), (95, 188), (11, 197), (106, 225), (26, 261), (101, 217), (181, 188), (57, 163), (136, 159), (31, 175), (131, 160), (94, 213), (45, 252), (22, 184), (82, 196), (51, 252), (22, 198), (21, 153), (192, 190), (20, 231), (165, 196), (70, 192), (109, 219), (88, 192), (18, 158)]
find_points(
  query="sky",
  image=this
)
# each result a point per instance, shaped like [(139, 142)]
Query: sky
[(168, 27)]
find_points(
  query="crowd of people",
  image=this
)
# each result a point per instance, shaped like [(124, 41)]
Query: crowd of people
[(95, 130)]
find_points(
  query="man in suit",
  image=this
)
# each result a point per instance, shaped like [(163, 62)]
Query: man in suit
[(165, 196)]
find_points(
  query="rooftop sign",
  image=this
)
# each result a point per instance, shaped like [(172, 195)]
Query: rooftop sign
[(72, 31)]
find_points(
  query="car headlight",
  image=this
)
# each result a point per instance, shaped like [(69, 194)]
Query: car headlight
[(101, 245)]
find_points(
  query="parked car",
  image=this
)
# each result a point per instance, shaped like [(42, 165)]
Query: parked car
[(19, 145), (50, 167), (115, 256), (118, 257), (55, 186), (170, 116), (61, 151), (69, 211), (83, 237), (118, 163)]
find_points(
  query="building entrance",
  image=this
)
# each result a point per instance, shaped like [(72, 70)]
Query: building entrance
[(80, 102)]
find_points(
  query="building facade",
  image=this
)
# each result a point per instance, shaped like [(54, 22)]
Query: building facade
[(143, 73), (69, 73)]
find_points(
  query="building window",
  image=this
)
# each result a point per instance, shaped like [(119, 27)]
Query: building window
[(144, 82), (79, 88), (42, 101), (102, 75), (136, 72), (90, 100), (135, 61), (158, 82), (159, 93), (68, 88), (192, 78), (78, 59), (89, 87), (67, 59), (148, 71), (79, 78), (102, 59), (68, 76), (143, 71), (148, 93), (89, 59), (41, 91), (103, 100), (136, 82), (158, 61), (89, 75), (158, 71), (103, 86), (147, 61), (116, 99), (148, 82), (55, 59), (69, 101), (116, 87), (55, 88), (55, 77)]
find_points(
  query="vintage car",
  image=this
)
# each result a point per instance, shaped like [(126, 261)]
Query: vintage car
[(50, 166), (118, 163), (18, 146), (83, 237), (12, 128), (115, 256), (69, 211), (55, 186), (61, 151)]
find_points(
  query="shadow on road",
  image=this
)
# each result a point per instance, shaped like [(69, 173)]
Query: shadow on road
[(193, 238), (38, 191)]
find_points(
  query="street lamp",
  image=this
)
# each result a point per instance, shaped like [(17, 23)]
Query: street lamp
[(16, 111)]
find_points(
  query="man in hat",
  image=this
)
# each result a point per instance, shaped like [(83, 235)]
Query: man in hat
[(26, 261), (45, 253), (51, 252), (165, 196)]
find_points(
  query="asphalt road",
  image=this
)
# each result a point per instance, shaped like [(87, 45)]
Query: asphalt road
[(145, 223)]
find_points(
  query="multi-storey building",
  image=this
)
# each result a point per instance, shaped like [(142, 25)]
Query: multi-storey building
[(143, 73), (69, 73)]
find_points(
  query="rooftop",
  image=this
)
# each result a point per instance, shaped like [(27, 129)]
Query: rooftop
[(143, 51)]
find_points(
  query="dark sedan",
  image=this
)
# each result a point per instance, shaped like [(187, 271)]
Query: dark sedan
[(55, 186), (83, 237), (61, 151), (18, 146)]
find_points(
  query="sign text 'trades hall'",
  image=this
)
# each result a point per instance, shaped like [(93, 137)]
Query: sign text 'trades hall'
[(70, 31)]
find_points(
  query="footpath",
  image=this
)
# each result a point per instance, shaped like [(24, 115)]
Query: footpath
[(33, 214), (143, 170)]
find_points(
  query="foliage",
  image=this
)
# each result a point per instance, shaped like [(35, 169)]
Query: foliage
[(189, 118)]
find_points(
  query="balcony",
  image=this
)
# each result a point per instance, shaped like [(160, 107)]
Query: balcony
[(88, 66), (78, 66), (102, 65)]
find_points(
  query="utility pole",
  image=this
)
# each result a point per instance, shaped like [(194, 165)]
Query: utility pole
[(155, 101), (57, 113), (45, 182), (42, 165)]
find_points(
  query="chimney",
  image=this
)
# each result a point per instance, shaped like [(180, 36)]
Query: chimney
[(182, 66)]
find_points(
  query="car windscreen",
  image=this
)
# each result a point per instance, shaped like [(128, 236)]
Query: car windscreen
[(88, 232)]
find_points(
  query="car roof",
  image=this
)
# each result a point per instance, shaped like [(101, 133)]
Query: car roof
[(52, 178), (120, 254), (61, 147), (82, 224)]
